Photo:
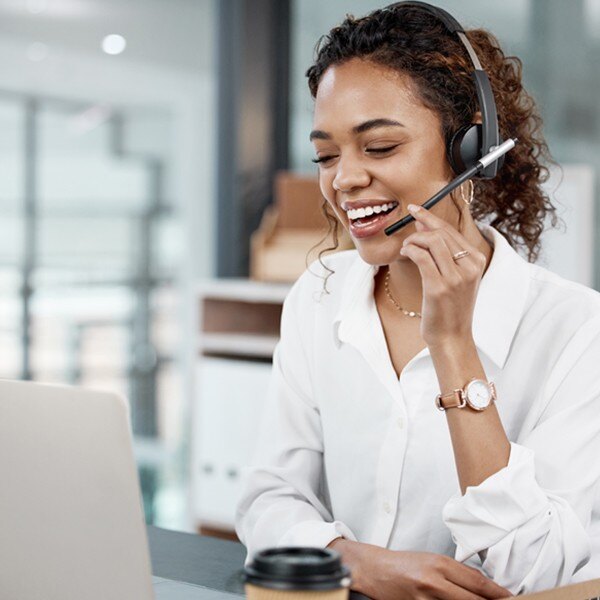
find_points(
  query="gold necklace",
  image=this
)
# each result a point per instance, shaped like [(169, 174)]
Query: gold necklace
[(408, 313)]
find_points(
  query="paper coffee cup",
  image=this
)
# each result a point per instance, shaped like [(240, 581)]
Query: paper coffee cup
[(297, 574)]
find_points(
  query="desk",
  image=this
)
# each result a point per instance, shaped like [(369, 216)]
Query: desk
[(198, 559), (201, 560)]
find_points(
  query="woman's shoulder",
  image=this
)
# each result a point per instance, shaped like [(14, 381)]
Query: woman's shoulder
[(553, 283), (564, 295)]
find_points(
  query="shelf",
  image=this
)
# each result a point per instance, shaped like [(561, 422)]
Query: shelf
[(238, 344), (239, 323), (244, 290)]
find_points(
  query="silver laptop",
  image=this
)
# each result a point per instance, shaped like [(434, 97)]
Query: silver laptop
[(71, 519)]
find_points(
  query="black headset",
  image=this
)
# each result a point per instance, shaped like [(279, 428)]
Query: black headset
[(473, 140)]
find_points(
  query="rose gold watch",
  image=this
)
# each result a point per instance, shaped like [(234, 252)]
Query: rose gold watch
[(478, 394)]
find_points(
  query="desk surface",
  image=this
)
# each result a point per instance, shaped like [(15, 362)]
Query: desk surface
[(201, 560), (197, 559)]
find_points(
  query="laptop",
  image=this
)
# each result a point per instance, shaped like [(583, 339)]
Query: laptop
[(71, 517)]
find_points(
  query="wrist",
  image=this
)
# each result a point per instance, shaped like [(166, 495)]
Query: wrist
[(351, 553), (455, 359), (451, 344)]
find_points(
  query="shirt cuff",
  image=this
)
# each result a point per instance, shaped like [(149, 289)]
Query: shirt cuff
[(498, 505), (316, 534)]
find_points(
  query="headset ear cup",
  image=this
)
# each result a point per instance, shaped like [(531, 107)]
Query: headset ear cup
[(464, 148)]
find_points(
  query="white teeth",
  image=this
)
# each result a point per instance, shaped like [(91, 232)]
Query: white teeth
[(359, 213)]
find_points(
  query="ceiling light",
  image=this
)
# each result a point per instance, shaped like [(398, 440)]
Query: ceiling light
[(114, 44)]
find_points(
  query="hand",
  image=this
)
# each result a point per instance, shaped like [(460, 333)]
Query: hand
[(385, 574), (421, 575), (449, 286)]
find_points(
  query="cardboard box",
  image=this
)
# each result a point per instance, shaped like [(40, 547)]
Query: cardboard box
[(586, 590), (292, 231)]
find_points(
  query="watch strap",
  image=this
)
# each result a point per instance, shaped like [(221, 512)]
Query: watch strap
[(454, 399)]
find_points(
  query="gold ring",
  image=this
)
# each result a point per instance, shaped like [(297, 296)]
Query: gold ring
[(460, 254)]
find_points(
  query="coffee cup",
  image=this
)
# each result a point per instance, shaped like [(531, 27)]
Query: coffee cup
[(300, 573)]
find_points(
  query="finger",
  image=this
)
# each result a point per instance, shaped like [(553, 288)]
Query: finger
[(424, 261), (455, 240), (452, 591), (438, 246), (476, 582), (451, 243), (427, 218)]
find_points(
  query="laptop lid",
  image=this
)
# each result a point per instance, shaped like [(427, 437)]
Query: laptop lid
[(71, 519)]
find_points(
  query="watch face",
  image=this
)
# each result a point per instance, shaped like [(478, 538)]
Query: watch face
[(479, 394)]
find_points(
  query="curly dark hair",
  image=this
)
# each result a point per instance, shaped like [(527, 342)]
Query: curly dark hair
[(413, 42)]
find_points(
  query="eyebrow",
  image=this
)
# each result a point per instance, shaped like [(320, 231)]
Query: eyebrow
[(318, 134)]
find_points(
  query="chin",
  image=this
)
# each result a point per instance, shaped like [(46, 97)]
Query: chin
[(379, 253)]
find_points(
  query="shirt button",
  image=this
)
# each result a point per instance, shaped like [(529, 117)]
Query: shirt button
[(387, 508), (400, 423)]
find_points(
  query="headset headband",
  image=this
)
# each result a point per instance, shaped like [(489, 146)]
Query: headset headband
[(485, 96)]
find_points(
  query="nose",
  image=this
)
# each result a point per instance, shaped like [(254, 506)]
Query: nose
[(350, 175)]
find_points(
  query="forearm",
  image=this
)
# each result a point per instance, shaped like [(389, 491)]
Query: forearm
[(479, 441)]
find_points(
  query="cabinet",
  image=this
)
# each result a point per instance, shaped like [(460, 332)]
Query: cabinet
[(238, 322)]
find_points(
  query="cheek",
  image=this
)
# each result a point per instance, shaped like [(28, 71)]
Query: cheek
[(339, 214), (413, 178), (326, 185)]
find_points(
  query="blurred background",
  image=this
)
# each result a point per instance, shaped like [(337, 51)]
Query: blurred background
[(153, 157)]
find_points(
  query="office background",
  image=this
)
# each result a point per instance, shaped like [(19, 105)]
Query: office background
[(140, 140)]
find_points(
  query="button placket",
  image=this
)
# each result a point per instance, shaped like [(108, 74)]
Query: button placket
[(390, 470)]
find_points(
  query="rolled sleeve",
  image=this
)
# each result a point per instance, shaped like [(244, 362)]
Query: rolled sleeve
[(502, 503)]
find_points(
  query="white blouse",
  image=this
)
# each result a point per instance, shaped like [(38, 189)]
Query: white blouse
[(348, 449)]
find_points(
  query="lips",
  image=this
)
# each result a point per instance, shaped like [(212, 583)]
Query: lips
[(371, 226)]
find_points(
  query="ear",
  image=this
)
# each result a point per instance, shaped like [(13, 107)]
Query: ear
[(477, 117)]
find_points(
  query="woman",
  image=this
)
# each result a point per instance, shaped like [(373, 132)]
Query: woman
[(355, 452)]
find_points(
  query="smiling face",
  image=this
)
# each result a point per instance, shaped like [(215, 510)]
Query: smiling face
[(379, 149)]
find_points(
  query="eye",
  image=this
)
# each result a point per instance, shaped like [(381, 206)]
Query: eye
[(381, 150), (323, 159)]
